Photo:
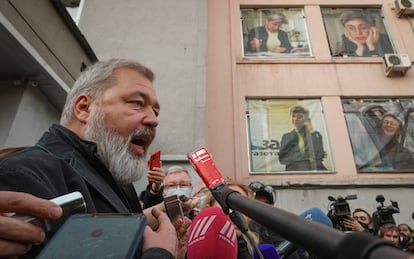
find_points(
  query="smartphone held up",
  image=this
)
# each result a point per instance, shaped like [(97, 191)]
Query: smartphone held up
[(155, 159)]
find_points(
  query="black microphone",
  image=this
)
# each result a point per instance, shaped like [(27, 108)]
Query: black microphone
[(286, 248)]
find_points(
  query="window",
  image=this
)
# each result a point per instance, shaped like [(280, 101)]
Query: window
[(356, 32), (381, 133), (274, 32), (287, 135)]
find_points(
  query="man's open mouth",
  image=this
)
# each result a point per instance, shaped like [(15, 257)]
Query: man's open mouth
[(143, 141)]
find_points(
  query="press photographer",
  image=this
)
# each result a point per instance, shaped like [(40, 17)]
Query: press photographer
[(384, 215), (361, 221), (339, 210)]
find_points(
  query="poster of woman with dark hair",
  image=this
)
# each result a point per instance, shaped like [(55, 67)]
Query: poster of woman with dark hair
[(356, 32)]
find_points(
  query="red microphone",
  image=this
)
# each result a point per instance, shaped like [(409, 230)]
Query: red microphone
[(212, 235), (204, 165)]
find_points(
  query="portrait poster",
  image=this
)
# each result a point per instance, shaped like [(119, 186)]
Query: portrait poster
[(287, 136), (356, 32), (274, 32), (381, 132)]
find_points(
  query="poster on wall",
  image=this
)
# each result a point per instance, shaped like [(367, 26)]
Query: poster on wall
[(381, 134), (287, 136), (274, 32), (356, 32)]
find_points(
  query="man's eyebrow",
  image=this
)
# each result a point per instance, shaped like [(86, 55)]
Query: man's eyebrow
[(146, 97)]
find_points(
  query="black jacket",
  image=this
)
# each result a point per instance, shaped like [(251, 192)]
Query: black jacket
[(61, 163), (260, 33), (294, 160)]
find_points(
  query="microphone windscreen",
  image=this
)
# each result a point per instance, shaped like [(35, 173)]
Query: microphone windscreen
[(268, 251), (317, 215), (212, 235)]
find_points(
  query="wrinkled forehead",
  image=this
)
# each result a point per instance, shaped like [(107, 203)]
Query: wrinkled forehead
[(178, 177)]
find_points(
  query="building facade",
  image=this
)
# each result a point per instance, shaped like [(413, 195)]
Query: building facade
[(226, 83), (251, 89), (218, 92)]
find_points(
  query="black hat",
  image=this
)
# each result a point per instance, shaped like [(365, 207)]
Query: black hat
[(262, 190)]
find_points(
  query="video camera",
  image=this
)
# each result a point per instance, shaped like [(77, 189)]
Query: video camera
[(383, 215), (340, 210)]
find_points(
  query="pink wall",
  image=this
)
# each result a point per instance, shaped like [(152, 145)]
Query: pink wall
[(230, 78)]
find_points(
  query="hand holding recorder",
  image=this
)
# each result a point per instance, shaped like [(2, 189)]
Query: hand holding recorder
[(71, 203), (18, 236)]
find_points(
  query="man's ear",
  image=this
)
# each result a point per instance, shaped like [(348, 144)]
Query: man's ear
[(81, 108)]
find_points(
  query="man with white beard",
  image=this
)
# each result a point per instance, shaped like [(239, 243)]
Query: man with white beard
[(99, 149)]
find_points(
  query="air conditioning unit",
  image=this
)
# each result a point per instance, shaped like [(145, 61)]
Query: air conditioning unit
[(404, 7), (396, 64)]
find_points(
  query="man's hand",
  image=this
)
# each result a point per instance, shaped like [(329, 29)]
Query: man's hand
[(16, 236), (164, 237), (352, 224), (155, 178), (182, 226)]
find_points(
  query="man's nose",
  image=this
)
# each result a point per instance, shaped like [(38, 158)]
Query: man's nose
[(151, 118)]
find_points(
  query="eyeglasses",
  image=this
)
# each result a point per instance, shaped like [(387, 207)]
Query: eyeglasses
[(361, 28), (391, 122), (269, 189), (173, 186), (255, 186), (258, 186), (202, 191)]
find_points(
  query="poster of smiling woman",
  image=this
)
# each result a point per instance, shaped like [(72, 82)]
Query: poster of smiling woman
[(381, 133), (287, 135)]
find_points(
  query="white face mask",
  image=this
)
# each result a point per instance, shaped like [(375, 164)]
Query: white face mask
[(202, 203), (179, 191)]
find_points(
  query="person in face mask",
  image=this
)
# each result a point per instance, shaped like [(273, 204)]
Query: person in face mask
[(177, 181), (360, 221), (200, 192)]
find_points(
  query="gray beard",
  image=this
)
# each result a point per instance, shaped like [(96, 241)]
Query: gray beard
[(126, 167)]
